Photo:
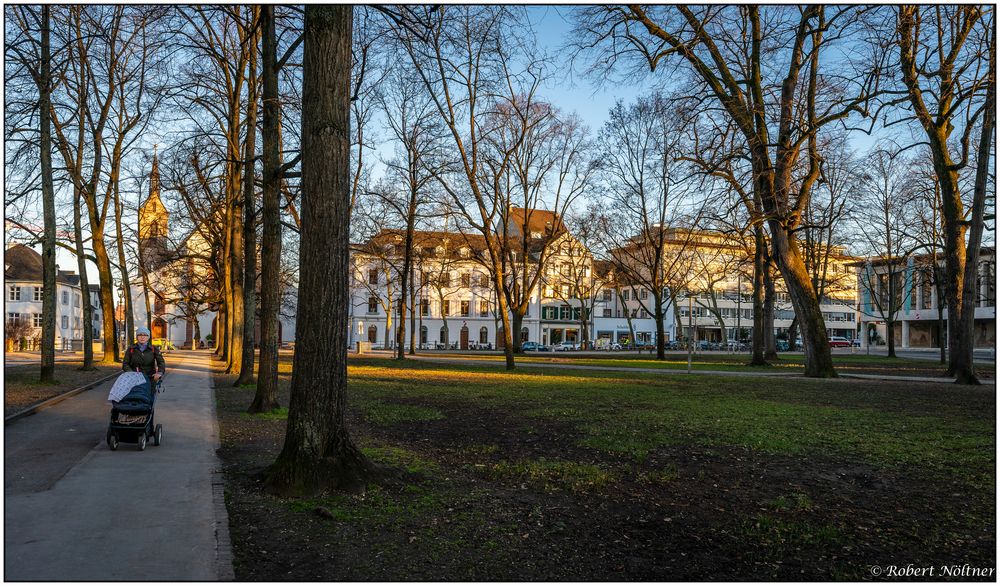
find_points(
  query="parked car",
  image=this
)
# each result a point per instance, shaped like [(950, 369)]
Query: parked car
[(532, 347), (839, 342), (781, 345), (856, 342), (566, 346)]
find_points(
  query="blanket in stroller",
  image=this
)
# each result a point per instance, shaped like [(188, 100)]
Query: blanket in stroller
[(132, 389)]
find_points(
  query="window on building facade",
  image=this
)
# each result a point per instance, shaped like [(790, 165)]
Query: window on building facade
[(466, 280), (607, 294), (565, 291), (634, 312), (373, 276), (425, 306), (13, 316), (14, 293), (446, 307), (484, 335), (65, 322), (607, 312), (423, 334), (372, 304), (36, 320), (644, 314), (484, 308), (37, 294), (465, 309), (443, 335), (76, 323), (625, 295), (65, 298), (76, 300), (463, 252), (159, 306), (643, 294)]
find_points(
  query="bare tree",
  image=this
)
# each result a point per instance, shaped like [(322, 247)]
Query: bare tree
[(884, 226), (472, 66), (318, 452), (34, 58), (778, 106), (948, 65), (645, 203)]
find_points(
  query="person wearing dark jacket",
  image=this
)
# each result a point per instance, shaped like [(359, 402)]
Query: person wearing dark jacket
[(144, 357)]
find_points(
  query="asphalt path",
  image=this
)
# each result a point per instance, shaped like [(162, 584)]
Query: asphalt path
[(77, 511)]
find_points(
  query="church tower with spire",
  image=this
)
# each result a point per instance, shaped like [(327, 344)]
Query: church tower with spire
[(153, 218)]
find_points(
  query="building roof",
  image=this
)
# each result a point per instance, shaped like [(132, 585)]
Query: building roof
[(542, 222), (984, 251), (21, 263), (426, 243)]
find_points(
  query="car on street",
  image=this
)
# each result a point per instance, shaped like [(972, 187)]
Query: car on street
[(781, 345), (533, 347), (566, 346), (839, 342)]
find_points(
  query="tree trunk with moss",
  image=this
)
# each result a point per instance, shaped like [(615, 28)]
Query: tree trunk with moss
[(318, 453)]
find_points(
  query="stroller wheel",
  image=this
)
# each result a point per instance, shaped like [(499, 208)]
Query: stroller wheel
[(142, 441), (158, 435), (112, 441)]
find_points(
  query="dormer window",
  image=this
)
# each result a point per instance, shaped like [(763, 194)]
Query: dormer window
[(439, 251), (464, 252)]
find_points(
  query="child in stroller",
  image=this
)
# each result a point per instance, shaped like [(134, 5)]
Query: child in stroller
[(132, 416)]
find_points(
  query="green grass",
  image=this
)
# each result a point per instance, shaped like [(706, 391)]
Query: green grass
[(382, 413), (787, 363), (940, 430), (551, 475), (281, 413)]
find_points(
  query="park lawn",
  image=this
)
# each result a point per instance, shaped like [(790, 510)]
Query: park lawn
[(22, 389), (787, 363), (574, 475)]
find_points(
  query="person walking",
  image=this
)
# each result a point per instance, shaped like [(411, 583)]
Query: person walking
[(144, 357)]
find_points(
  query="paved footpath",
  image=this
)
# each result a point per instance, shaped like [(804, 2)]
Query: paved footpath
[(75, 510)]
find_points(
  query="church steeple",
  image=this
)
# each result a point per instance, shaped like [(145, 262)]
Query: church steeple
[(154, 176), (153, 218)]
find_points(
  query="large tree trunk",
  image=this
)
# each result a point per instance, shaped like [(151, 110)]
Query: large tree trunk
[(517, 318), (126, 283), (266, 398), (47, 372), (81, 260), (815, 344), (106, 281), (661, 347), (770, 296), (318, 453), (963, 365), (236, 316), (249, 213)]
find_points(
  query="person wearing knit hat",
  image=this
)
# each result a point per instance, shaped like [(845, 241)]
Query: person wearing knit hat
[(144, 357)]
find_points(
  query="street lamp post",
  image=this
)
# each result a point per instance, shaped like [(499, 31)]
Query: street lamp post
[(690, 336), (739, 309)]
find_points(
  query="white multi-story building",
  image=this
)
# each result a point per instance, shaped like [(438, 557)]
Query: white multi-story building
[(575, 299), (23, 299), (916, 307), (452, 296)]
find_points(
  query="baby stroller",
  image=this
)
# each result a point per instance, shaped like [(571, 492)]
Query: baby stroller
[(132, 417)]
